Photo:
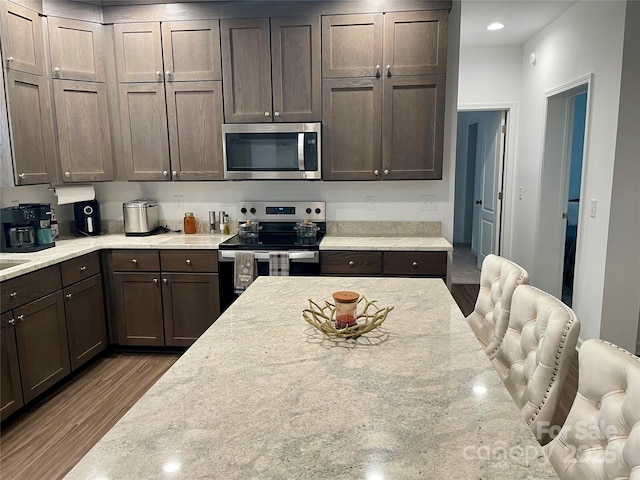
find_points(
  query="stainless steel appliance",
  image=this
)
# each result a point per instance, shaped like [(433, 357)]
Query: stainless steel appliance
[(26, 228), (277, 232), (272, 151), (87, 218), (140, 217)]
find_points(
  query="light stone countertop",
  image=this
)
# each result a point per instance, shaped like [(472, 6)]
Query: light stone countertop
[(71, 247), (263, 395)]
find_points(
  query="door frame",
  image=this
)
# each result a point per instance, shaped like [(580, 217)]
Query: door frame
[(553, 185), (506, 178)]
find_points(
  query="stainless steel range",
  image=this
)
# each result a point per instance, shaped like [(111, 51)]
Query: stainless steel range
[(295, 227)]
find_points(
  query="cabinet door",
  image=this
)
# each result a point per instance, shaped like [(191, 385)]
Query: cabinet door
[(415, 43), (194, 113), (76, 49), (10, 389), (295, 67), (191, 51), (23, 43), (31, 127), (351, 263), (138, 52), (43, 349), (246, 70), (84, 134), (191, 304), (144, 131), (138, 304), (86, 324), (351, 129), (352, 45), (413, 127)]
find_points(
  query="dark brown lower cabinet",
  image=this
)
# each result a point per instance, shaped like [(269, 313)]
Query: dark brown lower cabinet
[(10, 387), (191, 304), (43, 349), (387, 263), (138, 301), (87, 328)]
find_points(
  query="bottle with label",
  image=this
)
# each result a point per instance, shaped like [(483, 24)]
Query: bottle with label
[(54, 224), (189, 223)]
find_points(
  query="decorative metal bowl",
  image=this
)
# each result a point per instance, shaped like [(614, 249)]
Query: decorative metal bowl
[(323, 318)]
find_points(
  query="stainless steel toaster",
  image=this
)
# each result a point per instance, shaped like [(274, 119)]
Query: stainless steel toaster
[(140, 217)]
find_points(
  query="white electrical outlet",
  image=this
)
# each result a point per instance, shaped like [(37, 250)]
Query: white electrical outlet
[(371, 202), (428, 202), (178, 202)]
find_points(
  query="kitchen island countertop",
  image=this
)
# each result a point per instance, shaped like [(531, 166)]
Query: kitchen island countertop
[(264, 395)]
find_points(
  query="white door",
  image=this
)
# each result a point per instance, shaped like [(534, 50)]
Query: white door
[(491, 137)]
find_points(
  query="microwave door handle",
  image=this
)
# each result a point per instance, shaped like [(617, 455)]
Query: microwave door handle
[(301, 152)]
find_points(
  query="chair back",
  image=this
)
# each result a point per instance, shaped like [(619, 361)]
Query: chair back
[(499, 277), (601, 436), (536, 354)]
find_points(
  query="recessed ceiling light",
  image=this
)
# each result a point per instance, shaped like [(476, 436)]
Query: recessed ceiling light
[(495, 26)]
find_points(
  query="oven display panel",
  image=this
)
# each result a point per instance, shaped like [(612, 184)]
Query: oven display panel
[(281, 210)]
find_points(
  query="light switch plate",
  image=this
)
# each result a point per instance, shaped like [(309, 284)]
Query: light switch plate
[(593, 206)]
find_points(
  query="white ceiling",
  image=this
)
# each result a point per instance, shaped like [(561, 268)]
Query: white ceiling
[(522, 19)]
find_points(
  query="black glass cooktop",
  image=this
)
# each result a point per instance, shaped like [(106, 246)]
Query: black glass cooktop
[(272, 241)]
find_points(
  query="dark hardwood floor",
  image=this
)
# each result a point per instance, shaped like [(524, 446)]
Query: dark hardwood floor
[(48, 439)]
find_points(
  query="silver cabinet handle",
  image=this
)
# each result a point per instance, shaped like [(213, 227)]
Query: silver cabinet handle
[(174, 173), (22, 176), (386, 172), (14, 294), (267, 114), (165, 281), (155, 281), (158, 73), (68, 295), (165, 173), (276, 114), (167, 73), (67, 174), (56, 70), (83, 268), (351, 264), (12, 321), (376, 172), (377, 70), (21, 318), (414, 264), (388, 70), (187, 261), (134, 261)]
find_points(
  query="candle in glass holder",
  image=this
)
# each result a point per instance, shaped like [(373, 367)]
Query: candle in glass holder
[(346, 303)]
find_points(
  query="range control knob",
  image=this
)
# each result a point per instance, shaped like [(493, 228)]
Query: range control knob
[(318, 211), (308, 210), (243, 210), (252, 210)]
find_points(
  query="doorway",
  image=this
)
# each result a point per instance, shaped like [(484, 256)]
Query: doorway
[(480, 161), (560, 206)]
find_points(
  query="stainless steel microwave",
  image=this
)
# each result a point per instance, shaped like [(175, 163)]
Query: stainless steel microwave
[(272, 151)]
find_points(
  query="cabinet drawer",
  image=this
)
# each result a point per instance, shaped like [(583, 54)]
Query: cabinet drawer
[(351, 263), (135, 260), (29, 287), (429, 264), (189, 260), (79, 268)]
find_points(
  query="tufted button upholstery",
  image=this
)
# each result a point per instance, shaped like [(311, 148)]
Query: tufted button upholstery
[(601, 436), (498, 279), (535, 355)]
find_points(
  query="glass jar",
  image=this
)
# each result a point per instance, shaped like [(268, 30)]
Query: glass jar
[(189, 223), (346, 303)]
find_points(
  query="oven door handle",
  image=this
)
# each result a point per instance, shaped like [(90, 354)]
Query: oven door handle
[(312, 256)]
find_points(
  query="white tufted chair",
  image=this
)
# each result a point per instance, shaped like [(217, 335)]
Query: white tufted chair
[(498, 279), (536, 353), (601, 436)]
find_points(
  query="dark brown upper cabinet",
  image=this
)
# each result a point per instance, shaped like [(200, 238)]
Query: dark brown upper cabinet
[(76, 49), (271, 69), (171, 51), (23, 43)]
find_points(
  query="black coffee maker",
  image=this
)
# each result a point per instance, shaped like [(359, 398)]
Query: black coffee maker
[(26, 228)]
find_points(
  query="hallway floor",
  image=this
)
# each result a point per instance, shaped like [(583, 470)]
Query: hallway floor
[(463, 268)]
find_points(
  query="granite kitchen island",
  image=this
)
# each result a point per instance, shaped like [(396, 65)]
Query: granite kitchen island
[(264, 395)]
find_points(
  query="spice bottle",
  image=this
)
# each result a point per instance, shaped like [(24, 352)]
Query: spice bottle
[(189, 223)]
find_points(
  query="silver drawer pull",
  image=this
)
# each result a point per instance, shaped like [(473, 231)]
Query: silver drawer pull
[(187, 261), (351, 264), (165, 281), (12, 321), (21, 318), (155, 281), (414, 264), (14, 294), (134, 261), (83, 268), (68, 295)]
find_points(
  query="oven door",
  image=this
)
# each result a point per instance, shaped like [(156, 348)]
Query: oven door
[(303, 262)]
